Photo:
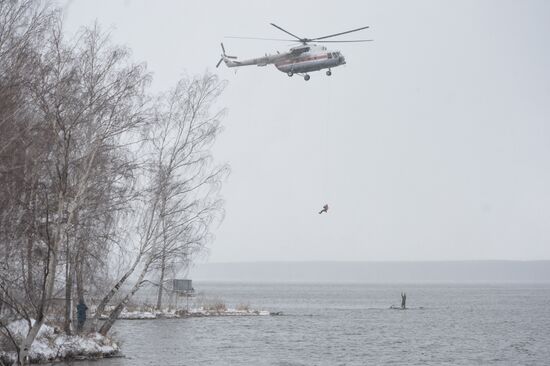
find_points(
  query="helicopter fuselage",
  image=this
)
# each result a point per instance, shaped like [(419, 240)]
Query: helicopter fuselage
[(310, 61), (299, 60)]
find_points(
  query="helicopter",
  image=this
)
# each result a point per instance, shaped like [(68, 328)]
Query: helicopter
[(299, 60)]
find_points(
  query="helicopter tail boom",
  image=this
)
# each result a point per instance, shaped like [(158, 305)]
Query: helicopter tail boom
[(231, 61)]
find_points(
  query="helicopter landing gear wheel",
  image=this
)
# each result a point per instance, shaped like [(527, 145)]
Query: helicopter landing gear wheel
[(290, 73), (329, 72), (306, 77)]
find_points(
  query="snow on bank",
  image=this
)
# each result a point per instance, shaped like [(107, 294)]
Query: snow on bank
[(51, 345), (227, 312), (198, 312)]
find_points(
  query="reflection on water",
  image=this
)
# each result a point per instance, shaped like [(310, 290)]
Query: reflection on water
[(351, 325)]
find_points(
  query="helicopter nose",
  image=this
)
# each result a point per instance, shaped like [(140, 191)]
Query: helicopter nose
[(342, 60)]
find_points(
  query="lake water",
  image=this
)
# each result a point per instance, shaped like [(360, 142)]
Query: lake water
[(351, 325)]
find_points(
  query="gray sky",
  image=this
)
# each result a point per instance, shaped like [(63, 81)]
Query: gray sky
[(432, 143)]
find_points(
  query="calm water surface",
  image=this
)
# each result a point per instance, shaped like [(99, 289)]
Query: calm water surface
[(351, 325)]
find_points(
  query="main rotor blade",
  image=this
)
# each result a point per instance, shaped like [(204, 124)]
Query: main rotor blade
[(349, 41), (223, 48), (287, 32), (219, 62), (339, 34), (263, 39)]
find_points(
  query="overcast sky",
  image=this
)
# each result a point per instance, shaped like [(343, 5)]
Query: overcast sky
[(432, 143)]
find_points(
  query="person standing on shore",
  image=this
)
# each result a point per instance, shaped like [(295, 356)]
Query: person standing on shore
[(81, 309)]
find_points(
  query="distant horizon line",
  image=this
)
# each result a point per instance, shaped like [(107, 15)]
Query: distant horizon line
[(378, 261), (457, 271)]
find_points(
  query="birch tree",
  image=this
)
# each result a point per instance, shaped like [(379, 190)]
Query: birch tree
[(23, 25), (89, 96), (93, 169), (182, 198)]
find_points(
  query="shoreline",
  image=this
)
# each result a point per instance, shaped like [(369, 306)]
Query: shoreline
[(52, 345), (192, 313)]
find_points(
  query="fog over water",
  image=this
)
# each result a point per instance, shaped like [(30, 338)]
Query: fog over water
[(465, 272)]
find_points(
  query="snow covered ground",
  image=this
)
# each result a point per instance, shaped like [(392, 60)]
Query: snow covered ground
[(197, 312), (51, 345)]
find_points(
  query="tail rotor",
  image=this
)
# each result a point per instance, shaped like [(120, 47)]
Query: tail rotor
[(224, 56)]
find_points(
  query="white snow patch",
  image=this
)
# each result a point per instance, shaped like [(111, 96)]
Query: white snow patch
[(20, 328), (137, 315), (50, 345), (201, 311)]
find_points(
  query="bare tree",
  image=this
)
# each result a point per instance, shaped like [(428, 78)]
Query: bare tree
[(181, 198), (84, 151), (22, 145), (88, 96), (182, 143)]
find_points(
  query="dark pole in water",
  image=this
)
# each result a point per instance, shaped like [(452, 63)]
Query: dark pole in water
[(403, 300)]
